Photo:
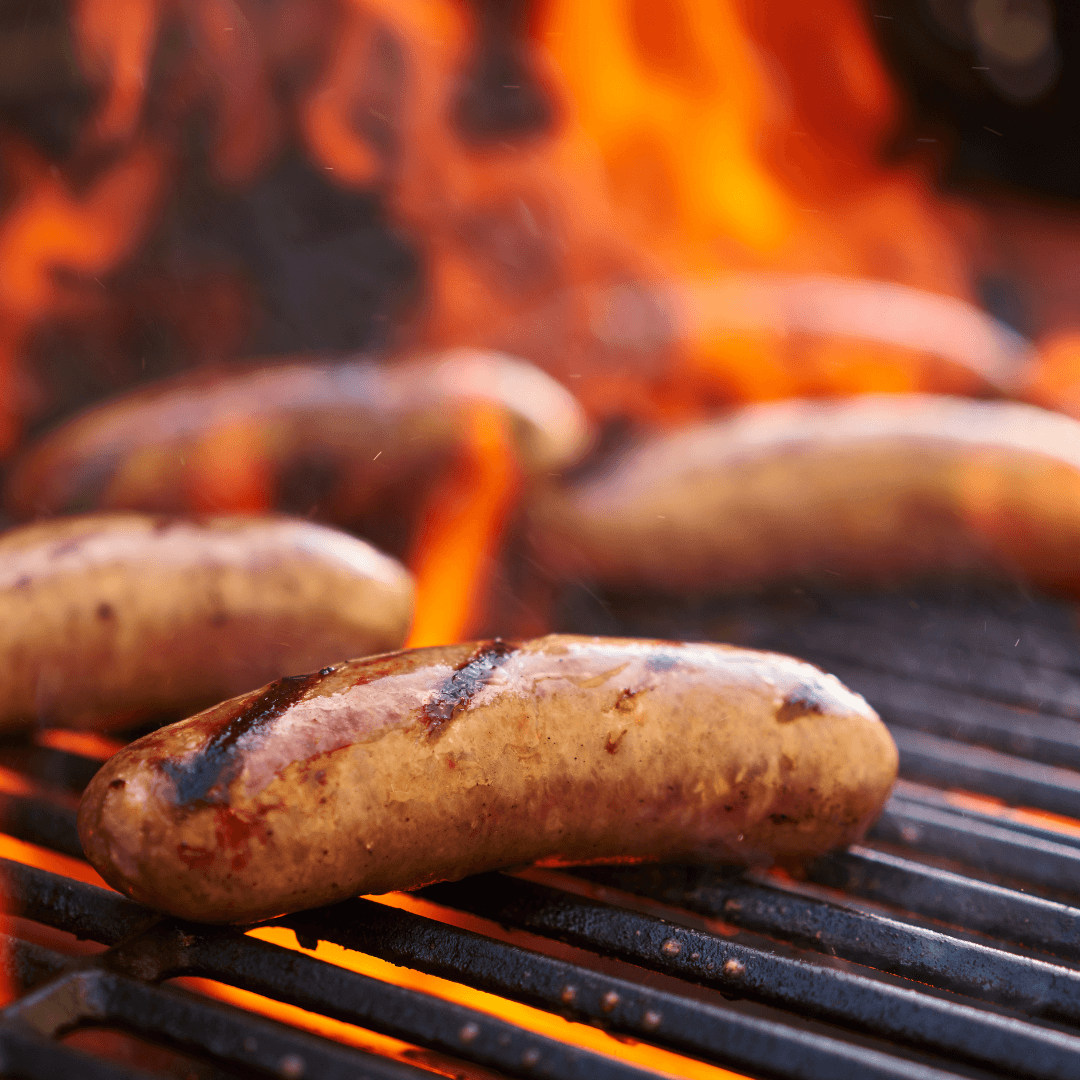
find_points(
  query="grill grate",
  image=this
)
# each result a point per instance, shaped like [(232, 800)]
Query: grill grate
[(948, 945)]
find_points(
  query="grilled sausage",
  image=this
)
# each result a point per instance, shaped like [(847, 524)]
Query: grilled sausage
[(871, 489), (106, 619), (432, 764), (327, 437)]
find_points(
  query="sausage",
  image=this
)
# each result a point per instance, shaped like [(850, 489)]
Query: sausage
[(870, 490), (431, 764), (107, 619), (330, 438)]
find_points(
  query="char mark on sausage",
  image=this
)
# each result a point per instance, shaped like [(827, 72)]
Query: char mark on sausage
[(459, 689), (802, 701), (213, 769)]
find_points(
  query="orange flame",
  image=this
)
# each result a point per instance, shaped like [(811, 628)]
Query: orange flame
[(230, 472), (1023, 815), (49, 230), (461, 532)]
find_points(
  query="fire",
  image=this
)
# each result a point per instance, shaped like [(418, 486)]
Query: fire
[(229, 472), (690, 141), (685, 143), (1023, 815), (89, 744), (463, 524), (51, 231)]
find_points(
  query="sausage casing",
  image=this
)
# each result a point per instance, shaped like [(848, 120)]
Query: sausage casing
[(107, 618), (334, 438), (873, 489), (432, 764)]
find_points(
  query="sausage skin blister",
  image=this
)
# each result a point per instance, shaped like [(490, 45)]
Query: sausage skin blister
[(109, 618), (432, 764), (875, 489)]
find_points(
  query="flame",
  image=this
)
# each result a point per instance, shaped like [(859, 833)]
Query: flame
[(53, 861), (692, 140), (114, 39), (229, 471), (462, 526), (89, 744), (1022, 815), (720, 166), (51, 230)]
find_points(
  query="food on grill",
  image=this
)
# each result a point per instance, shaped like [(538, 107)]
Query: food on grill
[(109, 618), (873, 489), (323, 437), (431, 764)]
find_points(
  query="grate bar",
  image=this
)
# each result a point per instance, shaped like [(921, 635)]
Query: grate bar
[(762, 972), (930, 759), (951, 714), (193, 1023), (991, 848), (1037, 987), (165, 950), (943, 664), (87, 911), (907, 791), (40, 821), (25, 1056), (47, 765), (1044, 634), (229, 956), (961, 901), (683, 1024), (24, 964)]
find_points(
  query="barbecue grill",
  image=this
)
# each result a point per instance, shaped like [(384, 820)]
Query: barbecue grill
[(947, 945)]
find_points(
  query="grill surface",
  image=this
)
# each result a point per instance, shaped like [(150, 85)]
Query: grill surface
[(949, 945)]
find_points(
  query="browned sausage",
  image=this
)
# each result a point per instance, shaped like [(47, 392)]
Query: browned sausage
[(108, 618), (875, 488), (432, 764), (330, 437)]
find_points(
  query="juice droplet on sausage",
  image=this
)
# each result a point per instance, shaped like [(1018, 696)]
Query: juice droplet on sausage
[(215, 765), (459, 689)]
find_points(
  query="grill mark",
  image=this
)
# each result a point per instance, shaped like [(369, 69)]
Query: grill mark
[(801, 701), (216, 765), (458, 690)]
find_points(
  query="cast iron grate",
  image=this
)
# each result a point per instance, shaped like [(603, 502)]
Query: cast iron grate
[(948, 945)]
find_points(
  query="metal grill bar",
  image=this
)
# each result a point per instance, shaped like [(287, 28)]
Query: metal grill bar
[(961, 901), (168, 949), (46, 765), (945, 664), (86, 911), (753, 1042), (25, 1055), (764, 972), (25, 964), (952, 714), (902, 947), (994, 848), (196, 1024), (40, 821), (1024, 783)]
